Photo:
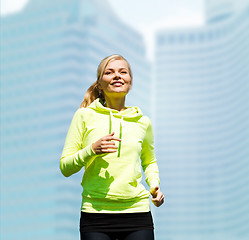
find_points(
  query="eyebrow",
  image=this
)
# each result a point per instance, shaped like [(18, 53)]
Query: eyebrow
[(118, 69)]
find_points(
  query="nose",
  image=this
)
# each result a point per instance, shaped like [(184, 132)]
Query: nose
[(117, 75)]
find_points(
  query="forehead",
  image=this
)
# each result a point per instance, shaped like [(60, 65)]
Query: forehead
[(117, 64)]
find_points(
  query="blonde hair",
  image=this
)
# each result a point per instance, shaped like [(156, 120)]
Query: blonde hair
[(94, 92)]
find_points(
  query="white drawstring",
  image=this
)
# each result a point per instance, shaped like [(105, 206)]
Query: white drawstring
[(110, 122), (120, 134), (120, 129)]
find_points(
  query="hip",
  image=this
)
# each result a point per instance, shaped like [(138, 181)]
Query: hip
[(115, 222)]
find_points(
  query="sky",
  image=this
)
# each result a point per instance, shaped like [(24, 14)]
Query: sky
[(146, 16)]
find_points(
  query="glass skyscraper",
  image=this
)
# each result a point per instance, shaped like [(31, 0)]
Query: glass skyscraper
[(49, 57), (202, 126)]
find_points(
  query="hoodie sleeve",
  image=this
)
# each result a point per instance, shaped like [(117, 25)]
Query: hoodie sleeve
[(73, 157), (149, 163)]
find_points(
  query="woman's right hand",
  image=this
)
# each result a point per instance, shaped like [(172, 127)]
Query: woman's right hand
[(106, 144)]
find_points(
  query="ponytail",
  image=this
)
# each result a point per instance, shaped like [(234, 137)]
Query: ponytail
[(92, 93)]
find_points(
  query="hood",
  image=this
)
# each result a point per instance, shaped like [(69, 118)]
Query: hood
[(130, 113)]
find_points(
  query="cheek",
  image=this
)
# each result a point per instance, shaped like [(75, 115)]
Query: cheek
[(129, 86), (130, 83), (128, 80)]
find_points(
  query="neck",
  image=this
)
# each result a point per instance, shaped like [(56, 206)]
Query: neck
[(115, 103)]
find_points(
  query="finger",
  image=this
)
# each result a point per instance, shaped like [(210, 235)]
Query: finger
[(158, 197), (108, 145), (104, 151), (156, 188), (153, 195), (108, 150), (161, 201), (110, 138), (154, 191), (155, 199), (110, 135), (158, 203)]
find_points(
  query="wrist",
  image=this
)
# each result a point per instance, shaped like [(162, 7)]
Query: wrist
[(153, 184), (93, 149)]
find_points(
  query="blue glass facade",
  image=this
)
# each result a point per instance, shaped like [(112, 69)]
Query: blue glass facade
[(49, 56), (202, 130)]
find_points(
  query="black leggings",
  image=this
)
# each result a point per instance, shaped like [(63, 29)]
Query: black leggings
[(147, 234)]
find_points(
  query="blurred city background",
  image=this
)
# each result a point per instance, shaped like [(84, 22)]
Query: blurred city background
[(190, 61)]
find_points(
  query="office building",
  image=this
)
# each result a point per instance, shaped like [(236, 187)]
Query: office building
[(202, 126), (49, 56)]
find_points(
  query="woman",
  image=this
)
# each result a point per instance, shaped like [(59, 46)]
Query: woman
[(109, 140)]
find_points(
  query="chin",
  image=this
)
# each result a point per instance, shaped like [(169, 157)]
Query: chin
[(118, 93)]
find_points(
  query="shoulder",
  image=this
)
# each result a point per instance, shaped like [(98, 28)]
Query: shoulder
[(83, 113), (145, 121)]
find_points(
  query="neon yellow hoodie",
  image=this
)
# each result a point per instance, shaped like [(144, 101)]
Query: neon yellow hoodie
[(111, 181)]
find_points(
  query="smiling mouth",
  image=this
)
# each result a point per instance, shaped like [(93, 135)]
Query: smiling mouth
[(117, 83)]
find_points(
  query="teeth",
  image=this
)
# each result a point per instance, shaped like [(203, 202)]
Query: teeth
[(119, 83)]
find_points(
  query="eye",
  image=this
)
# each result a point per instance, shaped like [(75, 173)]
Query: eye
[(124, 72), (108, 72)]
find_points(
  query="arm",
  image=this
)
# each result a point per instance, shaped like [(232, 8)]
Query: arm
[(73, 157), (149, 163), (150, 167)]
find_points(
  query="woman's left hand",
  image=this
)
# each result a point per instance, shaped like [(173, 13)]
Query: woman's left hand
[(157, 196)]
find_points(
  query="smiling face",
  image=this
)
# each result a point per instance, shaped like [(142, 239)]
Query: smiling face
[(116, 79)]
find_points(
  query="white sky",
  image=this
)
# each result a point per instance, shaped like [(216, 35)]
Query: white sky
[(11, 6), (146, 16)]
